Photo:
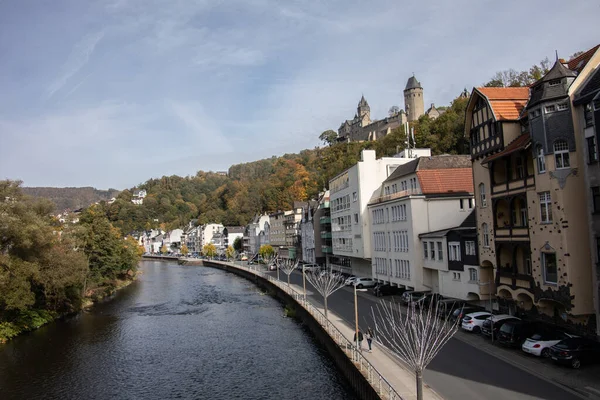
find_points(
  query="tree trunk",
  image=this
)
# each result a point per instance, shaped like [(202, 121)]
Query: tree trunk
[(288, 279), (419, 375), (325, 298)]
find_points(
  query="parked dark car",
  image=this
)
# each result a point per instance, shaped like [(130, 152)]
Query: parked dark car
[(410, 296), (429, 300), (498, 321), (575, 352), (515, 333), (386, 290)]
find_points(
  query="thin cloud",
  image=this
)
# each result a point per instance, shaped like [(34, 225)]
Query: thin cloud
[(78, 58)]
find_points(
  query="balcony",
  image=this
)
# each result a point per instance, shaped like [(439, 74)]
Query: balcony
[(324, 205), (511, 219), (327, 249), (397, 195), (325, 235), (325, 220)]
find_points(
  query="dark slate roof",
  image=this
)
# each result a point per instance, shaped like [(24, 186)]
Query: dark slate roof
[(470, 221), (234, 229), (558, 71), (412, 83), (363, 102), (445, 161), (542, 91)]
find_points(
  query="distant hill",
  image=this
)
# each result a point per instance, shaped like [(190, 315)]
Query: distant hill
[(71, 197)]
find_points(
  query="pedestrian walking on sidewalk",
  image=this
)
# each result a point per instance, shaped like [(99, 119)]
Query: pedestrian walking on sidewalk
[(369, 337), (360, 339)]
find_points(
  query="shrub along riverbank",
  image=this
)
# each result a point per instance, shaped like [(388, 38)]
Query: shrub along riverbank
[(49, 269)]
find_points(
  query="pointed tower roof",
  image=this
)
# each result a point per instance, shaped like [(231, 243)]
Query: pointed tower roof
[(558, 71), (363, 102), (413, 83)]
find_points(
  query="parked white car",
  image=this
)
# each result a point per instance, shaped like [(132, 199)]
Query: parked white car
[(364, 282), (350, 281), (540, 343), (472, 322)]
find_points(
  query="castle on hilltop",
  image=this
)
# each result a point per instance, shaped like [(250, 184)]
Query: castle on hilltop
[(362, 128)]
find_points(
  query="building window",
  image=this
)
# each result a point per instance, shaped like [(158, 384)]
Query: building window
[(470, 248), (461, 204), (425, 252), (354, 196), (541, 161), (561, 154), (456, 276), (554, 82), (486, 235), (454, 251), (528, 266), (596, 198), (549, 268), (545, 207), (440, 252), (591, 148), (550, 109), (520, 168), (355, 218), (562, 106), (588, 115), (482, 195), (473, 275), (471, 204), (432, 250)]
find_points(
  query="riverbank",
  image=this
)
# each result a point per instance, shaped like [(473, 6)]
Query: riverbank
[(30, 320)]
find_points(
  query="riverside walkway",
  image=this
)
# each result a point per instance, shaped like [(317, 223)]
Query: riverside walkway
[(386, 373)]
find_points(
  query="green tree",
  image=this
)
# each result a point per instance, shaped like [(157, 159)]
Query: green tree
[(209, 250), (184, 250), (238, 245), (266, 251), (328, 137), (229, 252)]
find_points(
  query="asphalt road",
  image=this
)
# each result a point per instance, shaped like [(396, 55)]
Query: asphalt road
[(459, 371)]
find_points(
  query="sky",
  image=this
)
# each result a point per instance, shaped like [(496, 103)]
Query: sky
[(112, 93)]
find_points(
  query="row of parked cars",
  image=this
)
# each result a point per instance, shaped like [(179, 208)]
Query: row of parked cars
[(535, 338)]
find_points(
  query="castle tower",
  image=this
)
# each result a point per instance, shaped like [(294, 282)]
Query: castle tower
[(413, 99), (364, 111)]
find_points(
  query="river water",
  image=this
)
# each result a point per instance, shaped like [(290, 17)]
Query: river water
[(177, 333)]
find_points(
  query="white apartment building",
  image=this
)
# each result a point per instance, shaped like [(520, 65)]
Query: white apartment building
[(423, 195), (350, 193), (207, 232)]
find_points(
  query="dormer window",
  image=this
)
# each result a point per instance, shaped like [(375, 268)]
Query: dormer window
[(550, 109), (562, 106), (554, 82)]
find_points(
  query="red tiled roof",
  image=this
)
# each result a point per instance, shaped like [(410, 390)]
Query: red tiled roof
[(449, 180), (518, 144), (507, 103), (578, 63)]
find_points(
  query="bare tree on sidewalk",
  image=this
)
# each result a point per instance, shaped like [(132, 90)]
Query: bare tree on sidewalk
[(287, 266), (415, 335), (325, 283)]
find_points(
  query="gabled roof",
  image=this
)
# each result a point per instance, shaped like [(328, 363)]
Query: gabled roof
[(558, 71), (451, 180), (506, 103), (445, 161), (520, 143), (578, 63)]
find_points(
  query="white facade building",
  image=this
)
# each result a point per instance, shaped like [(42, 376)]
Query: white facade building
[(350, 193), (424, 195)]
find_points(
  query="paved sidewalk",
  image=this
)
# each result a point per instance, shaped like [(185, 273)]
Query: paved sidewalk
[(399, 377)]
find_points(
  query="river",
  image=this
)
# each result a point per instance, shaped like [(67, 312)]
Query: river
[(179, 332)]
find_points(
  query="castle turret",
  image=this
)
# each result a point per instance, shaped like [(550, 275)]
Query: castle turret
[(364, 111), (413, 99)]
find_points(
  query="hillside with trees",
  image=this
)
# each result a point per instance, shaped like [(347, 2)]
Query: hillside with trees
[(47, 269), (71, 198)]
